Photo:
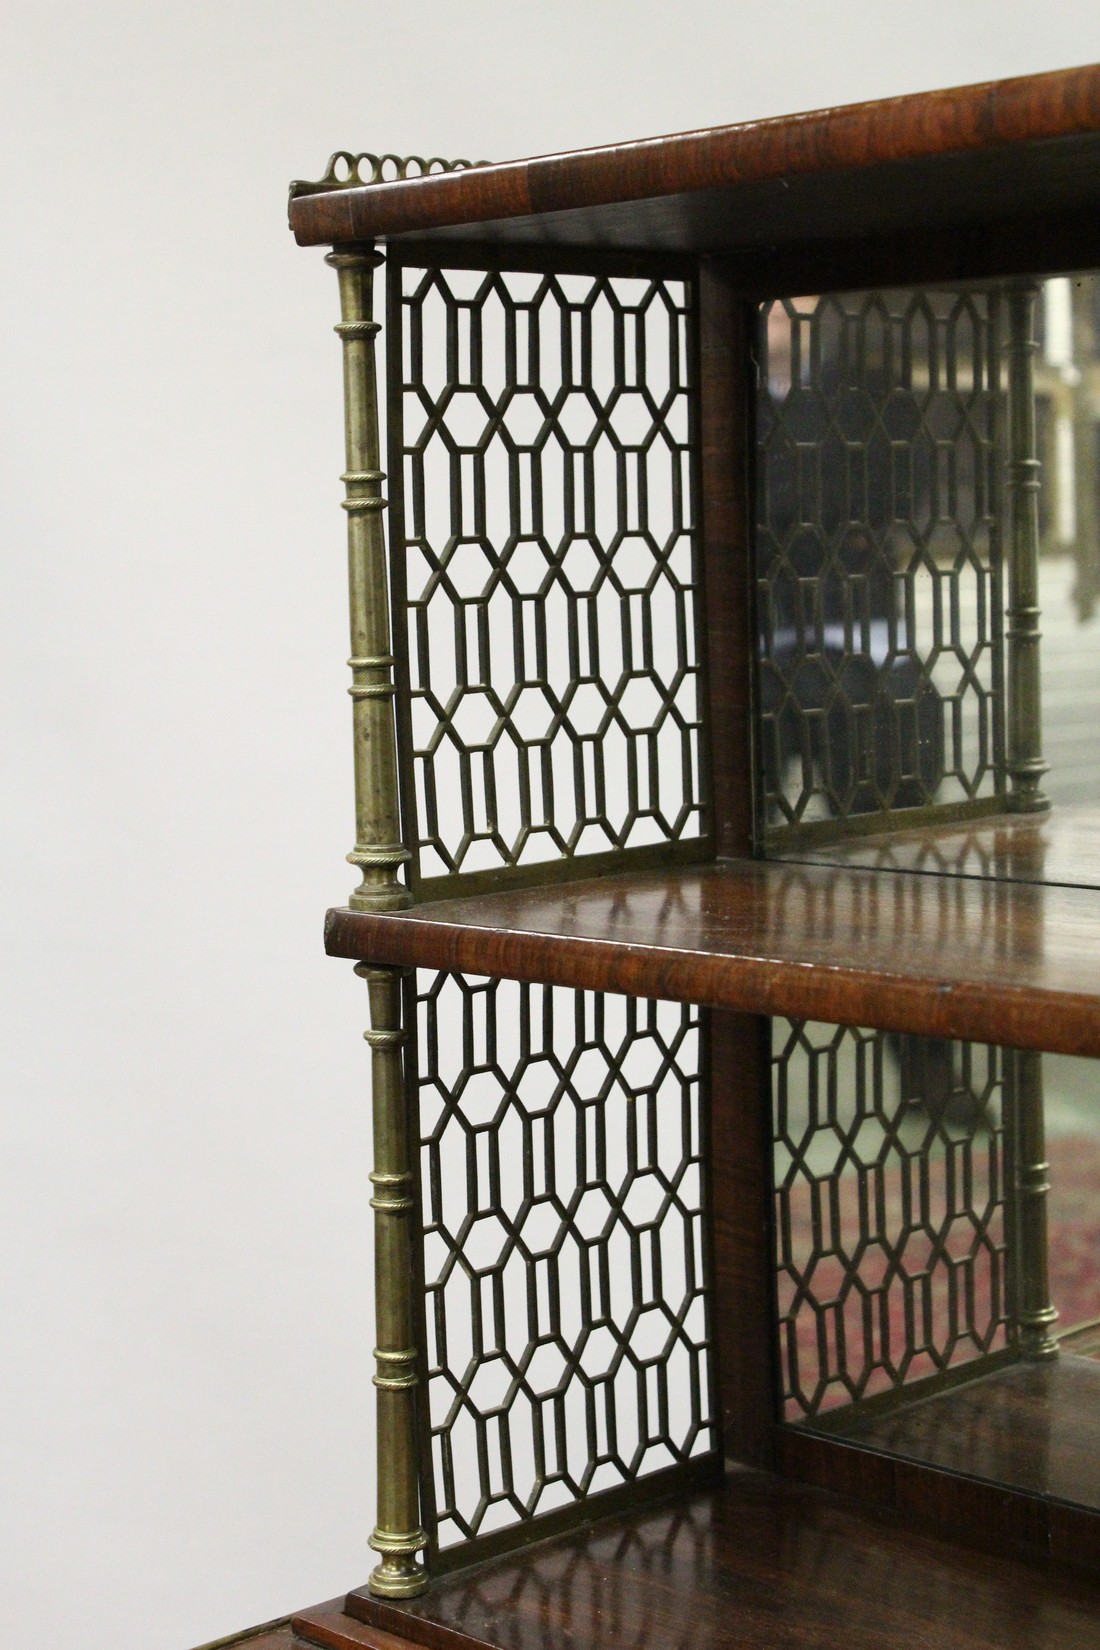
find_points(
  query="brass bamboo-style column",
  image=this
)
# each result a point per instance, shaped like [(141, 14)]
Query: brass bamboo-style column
[(398, 1536), (1035, 1313), (1086, 466), (379, 851), (1025, 763)]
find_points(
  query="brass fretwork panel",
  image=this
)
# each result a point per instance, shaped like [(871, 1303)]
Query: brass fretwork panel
[(879, 491), (543, 533), (566, 1289), (890, 1207)]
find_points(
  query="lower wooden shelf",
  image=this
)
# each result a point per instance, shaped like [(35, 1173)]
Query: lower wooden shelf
[(988, 961), (759, 1564)]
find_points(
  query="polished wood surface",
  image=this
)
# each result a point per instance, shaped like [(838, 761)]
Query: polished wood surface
[(996, 962), (330, 1627), (757, 1565), (1062, 846), (324, 1625), (1012, 144), (1032, 1426), (985, 1516)]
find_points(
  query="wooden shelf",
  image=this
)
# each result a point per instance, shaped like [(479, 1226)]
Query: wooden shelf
[(1016, 964), (758, 1564), (1009, 147)]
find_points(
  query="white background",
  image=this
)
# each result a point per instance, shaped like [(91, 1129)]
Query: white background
[(185, 1378)]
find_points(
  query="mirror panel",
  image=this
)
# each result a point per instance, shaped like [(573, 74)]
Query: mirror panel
[(937, 1232), (928, 578)]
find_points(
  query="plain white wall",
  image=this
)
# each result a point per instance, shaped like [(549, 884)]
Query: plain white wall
[(185, 1377)]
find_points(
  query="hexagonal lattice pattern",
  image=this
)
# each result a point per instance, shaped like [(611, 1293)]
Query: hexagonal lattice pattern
[(549, 570), (878, 552), (567, 1315), (890, 1209)]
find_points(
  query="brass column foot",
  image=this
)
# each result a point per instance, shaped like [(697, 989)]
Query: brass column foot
[(398, 1575)]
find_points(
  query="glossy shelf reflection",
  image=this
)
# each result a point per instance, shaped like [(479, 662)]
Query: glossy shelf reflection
[(1032, 1426), (988, 961), (1059, 848)]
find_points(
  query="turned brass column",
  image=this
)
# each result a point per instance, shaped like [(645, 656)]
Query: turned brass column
[(1034, 1313), (379, 851), (1086, 398), (1025, 763), (398, 1536)]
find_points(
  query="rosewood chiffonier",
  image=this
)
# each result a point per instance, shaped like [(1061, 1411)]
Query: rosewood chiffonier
[(730, 934)]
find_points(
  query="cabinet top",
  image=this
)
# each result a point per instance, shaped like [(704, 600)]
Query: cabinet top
[(991, 151)]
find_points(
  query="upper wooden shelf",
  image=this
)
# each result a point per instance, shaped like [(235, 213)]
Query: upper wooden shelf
[(984, 960), (998, 150)]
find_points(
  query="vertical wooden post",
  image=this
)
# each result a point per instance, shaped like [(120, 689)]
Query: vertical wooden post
[(1025, 733), (738, 1071), (378, 851)]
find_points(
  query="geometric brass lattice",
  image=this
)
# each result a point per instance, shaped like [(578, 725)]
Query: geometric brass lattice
[(565, 1263), (545, 578), (878, 554), (891, 1212)]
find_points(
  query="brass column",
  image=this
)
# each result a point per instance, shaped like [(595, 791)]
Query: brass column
[(1025, 733), (1035, 1313), (398, 1536), (379, 853), (1086, 397)]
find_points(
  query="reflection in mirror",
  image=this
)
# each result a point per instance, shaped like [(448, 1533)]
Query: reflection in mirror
[(928, 577), (937, 1215)]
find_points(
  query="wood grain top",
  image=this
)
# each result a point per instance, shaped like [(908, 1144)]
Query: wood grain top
[(995, 962), (1028, 143)]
